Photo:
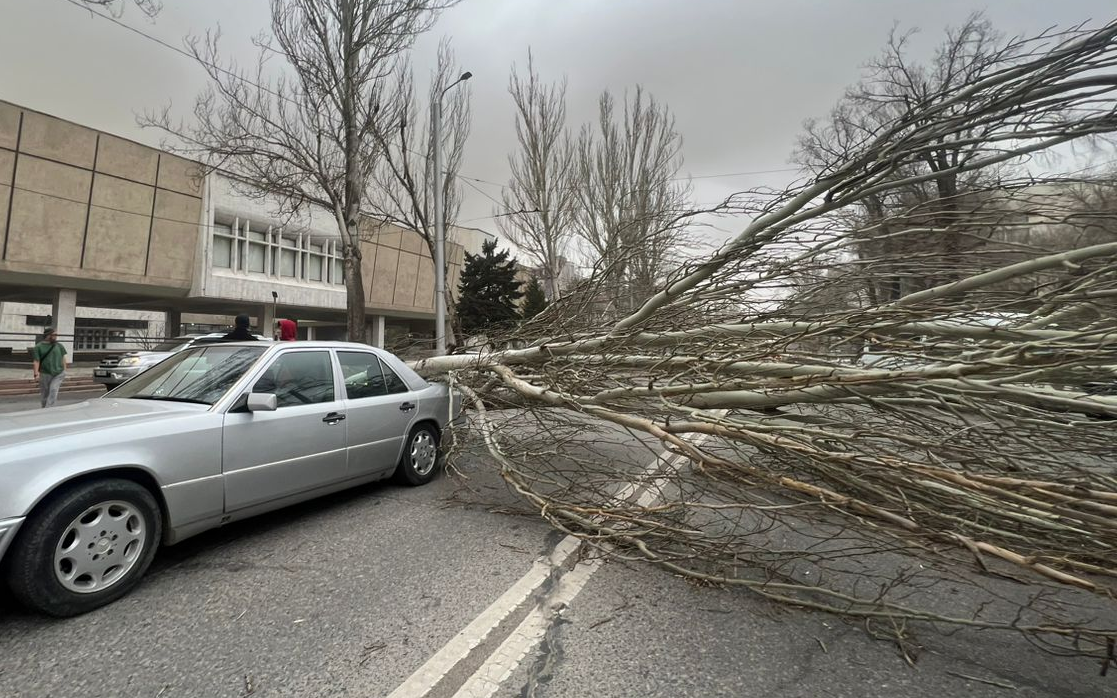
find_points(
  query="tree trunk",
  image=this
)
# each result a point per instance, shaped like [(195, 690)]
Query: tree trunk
[(553, 280), (354, 295)]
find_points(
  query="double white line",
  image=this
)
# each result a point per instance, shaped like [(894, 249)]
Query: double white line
[(486, 680)]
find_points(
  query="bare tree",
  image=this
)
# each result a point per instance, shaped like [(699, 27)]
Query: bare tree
[(307, 137), (538, 202), (892, 87), (116, 7), (404, 177), (629, 197), (975, 456)]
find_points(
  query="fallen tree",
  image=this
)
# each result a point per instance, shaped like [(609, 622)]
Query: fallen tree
[(847, 450)]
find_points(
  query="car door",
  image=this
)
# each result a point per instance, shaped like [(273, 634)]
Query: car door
[(298, 447), (379, 413)]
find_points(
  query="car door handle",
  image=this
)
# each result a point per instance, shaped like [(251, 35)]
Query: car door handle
[(333, 418), (407, 407)]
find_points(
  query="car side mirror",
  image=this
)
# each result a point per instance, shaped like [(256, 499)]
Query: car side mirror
[(261, 402)]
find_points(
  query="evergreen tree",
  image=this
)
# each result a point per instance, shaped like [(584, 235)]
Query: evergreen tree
[(489, 291), (535, 301)]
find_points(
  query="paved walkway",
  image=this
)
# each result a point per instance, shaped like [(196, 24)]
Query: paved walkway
[(17, 373)]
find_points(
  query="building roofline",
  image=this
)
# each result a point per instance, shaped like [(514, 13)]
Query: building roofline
[(160, 148)]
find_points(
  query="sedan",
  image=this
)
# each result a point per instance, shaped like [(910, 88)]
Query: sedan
[(213, 434)]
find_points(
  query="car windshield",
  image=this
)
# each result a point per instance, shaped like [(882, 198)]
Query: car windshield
[(201, 375), (173, 345)]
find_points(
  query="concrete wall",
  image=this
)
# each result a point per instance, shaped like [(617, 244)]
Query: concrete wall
[(398, 270), (472, 239), (78, 204)]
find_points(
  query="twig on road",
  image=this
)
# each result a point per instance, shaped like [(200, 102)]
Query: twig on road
[(991, 682), (369, 650)]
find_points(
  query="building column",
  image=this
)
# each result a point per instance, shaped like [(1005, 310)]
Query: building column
[(63, 315), (376, 330), (310, 332), (172, 323), (267, 319)]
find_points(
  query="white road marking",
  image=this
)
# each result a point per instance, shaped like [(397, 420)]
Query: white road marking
[(504, 660), (486, 681), (499, 666), (427, 676)]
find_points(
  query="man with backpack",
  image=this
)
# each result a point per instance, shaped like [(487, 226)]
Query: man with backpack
[(48, 359)]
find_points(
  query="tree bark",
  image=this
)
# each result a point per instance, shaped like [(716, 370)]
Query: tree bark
[(355, 297)]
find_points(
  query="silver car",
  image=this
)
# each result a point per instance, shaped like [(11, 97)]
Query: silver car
[(213, 434)]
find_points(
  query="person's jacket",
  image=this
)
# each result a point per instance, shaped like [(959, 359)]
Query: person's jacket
[(288, 330), (240, 334)]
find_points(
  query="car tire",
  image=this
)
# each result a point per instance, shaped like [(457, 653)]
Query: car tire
[(422, 455), (85, 547)]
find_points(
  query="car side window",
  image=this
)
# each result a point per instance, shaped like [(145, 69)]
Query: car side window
[(363, 377), (298, 378), (393, 382)]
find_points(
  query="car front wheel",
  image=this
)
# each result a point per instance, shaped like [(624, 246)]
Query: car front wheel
[(86, 547), (421, 455)]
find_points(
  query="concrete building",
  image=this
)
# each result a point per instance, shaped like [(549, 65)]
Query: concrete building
[(471, 239), (111, 241)]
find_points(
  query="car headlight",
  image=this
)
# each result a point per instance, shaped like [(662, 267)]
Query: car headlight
[(131, 361)]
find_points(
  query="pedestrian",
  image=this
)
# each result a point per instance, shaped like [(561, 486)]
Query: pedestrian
[(240, 331), (48, 360), (286, 330)]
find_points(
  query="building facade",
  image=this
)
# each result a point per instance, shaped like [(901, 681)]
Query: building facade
[(113, 242)]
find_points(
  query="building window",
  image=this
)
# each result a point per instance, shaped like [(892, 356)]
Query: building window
[(222, 246), (287, 257), (276, 253), (314, 263), (86, 338), (257, 250)]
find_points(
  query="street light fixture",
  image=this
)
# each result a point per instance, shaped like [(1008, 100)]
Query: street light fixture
[(439, 223)]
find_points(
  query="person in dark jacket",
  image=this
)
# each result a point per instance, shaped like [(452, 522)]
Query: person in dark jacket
[(240, 332)]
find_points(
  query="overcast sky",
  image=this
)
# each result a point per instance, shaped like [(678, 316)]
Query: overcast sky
[(740, 75)]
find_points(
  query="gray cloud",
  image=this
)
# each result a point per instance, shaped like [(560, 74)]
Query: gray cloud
[(740, 75)]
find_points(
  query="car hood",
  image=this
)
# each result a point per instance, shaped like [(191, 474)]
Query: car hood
[(147, 355), (92, 415)]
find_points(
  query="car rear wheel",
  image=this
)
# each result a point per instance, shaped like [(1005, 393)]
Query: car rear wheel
[(421, 456), (87, 547)]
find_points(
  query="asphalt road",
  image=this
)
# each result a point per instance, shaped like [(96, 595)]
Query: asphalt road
[(350, 595)]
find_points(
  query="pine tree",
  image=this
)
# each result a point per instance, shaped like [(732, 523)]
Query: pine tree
[(535, 301), (489, 291)]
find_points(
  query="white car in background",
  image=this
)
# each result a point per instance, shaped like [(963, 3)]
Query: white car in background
[(117, 368)]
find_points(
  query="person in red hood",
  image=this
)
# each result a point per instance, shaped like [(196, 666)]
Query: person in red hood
[(286, 330)]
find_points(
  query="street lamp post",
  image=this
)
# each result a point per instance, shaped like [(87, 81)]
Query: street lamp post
[(439, 223)]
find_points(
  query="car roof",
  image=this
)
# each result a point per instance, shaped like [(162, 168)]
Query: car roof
[(307, 343), (408, 374)]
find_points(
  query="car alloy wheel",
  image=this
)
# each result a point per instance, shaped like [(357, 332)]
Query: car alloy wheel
[(99, 547), (84, 546), (424, 453), (419, 463)]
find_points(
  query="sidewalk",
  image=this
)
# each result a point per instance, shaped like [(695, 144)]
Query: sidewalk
[(16, 383), (9, 372)]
